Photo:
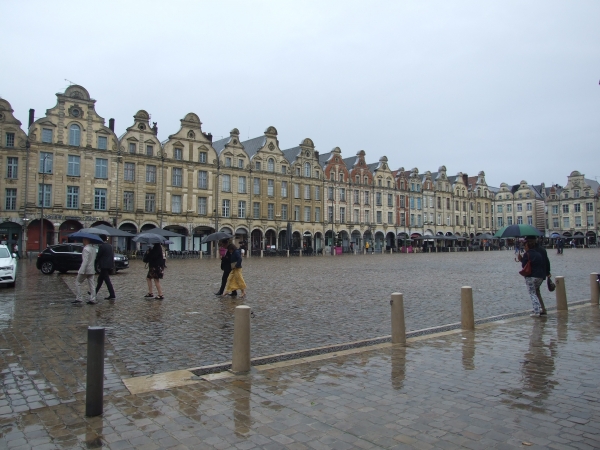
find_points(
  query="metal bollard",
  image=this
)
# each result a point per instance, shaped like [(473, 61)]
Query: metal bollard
[(200, 254), (240, 362), (300, 252), (288, 253), (467, 317), (561, 294), (398, 325), (261, 253), (595, 288), (95, 372)]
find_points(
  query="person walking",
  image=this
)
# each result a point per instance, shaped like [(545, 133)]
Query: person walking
[(156, 266), (533, 280), (533, 243), (235, 280), (16, 250), (86, 273), (225, 267), (105, 259)]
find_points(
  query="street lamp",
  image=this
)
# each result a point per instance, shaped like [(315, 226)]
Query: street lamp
[(119, 157), (161, 154)]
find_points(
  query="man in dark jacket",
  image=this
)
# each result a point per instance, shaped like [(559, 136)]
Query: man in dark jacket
[(532, 241), (105, 259)]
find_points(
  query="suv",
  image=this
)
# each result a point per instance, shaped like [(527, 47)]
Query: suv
[(8, 267), (65, 257)]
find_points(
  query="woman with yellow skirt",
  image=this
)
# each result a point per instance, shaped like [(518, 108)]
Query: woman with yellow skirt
[(235, 281)]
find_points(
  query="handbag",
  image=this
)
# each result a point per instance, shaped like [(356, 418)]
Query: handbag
[(526, 271), (551, 285)]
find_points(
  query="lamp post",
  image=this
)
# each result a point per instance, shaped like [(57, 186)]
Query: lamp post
[(117, 199), (161, 155), (332, 217)]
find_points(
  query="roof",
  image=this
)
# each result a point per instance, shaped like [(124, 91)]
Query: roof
[(252, 146), (291, 154), (220, 144), (323, 158), (350, 162)]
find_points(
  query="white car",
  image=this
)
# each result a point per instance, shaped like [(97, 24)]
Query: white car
[(8, 267)]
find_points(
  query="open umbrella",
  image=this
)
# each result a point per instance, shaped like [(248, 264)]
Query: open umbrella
[(165, 233), (519, 230), (151, 238), (484, 236), (80, 235), (107, 231), (218, 236)]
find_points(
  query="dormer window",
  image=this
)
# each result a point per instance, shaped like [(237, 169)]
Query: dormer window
[(102, 143), (74, 135), (307, 170), (271, 165), (341, 177), (576, 193), (228, 162), (178, 154), (257, 165)]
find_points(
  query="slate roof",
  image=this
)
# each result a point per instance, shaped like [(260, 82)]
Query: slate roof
[(252, 146), (350, 162), (324, 158), (220, 144), (291, 154)]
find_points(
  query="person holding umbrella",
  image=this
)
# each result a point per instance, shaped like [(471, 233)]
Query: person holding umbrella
[(534, 279), (225, 267), (86, 272), (532, 243), (235, 280), (156, 266)]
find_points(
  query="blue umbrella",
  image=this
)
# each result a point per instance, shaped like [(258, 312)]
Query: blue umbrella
[(79, 236)]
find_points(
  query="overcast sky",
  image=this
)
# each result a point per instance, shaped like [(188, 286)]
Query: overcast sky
[(508, 87)]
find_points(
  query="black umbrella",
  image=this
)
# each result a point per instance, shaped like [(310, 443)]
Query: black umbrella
[(218, 236), (165, 233)]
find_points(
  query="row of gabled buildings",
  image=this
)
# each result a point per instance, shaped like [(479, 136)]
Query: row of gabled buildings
[(69, 170)]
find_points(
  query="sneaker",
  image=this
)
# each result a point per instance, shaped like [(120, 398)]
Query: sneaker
[(149, 295), (534, 315), (90, 302)]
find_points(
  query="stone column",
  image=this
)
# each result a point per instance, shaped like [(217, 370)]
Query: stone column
[(398, 324), (240, 361), (561, 294), (467, 317)]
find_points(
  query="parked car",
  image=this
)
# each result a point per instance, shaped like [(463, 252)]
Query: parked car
[(8, 266), (65, 257)]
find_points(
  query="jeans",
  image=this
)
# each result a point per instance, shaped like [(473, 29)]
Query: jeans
[(104, 277), (533, 284)]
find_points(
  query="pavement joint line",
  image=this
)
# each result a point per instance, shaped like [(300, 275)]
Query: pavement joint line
[(213, 372)]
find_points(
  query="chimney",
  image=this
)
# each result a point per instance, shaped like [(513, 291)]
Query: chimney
[(31, 117), (209, 136), (466, 179), (111, 124)]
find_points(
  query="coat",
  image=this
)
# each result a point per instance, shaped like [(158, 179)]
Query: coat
[(538, 266), (88, 260), (105, 257)]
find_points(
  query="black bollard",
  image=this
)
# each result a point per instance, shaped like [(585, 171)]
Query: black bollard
[(95, 372)]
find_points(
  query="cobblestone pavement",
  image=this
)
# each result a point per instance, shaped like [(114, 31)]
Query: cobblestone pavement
[(520, 383)]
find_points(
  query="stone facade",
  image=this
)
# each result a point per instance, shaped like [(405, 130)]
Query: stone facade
[(74, 171)]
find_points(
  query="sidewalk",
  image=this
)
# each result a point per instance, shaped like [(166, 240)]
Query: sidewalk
[(518, 383)]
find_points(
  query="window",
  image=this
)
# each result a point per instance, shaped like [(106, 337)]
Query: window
[(576, 193), (178, 154), (296, 190), (590, 221), (227, 161), (391, 200), (342, 194), (565, 208), (226, 183), (11, 199), (307, 169), (306, 192), (577, 207), (447, 203), (202, 205), (555, 222), (402, 201), (256, 210), (330, 213), (202, 157), (74, 135), (202, 179), (509, 208), (356, 197), (554, 209), (270, 211), (128, 201), (256, 186), (150, 174), (177, 176), (529, 206), (271, 165), (72, 197), (566, 222), (226, 208), (283, 169), (242, 209), (412, 202), (366, 197), (149, 150), (284, 185), (270, 188), (296, 213), (318, 193), (298, 171), (589, 206), (46, 135), (101, 168), (390, 218), (378, 198), (129, 172), (342, 215), (46, 162), (102, 143), (355, 216), (329, 193), (12, 167), (439, 219), (73, 165), (257, 165), (577, 221), (132, 147), (150, 204), (240, 163), (500, 207), (241, 185), (284, 212), (529, 220), (341, 177), (367, 217), (419, 217), (500, 222), (176, 204), (412, 220), (519, 207), (464, 221), (379, 216), (100, 199), (509, 220), (317, 214), (44, 195)]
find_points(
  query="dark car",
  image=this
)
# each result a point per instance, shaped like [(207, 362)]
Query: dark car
[(65, 257)]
